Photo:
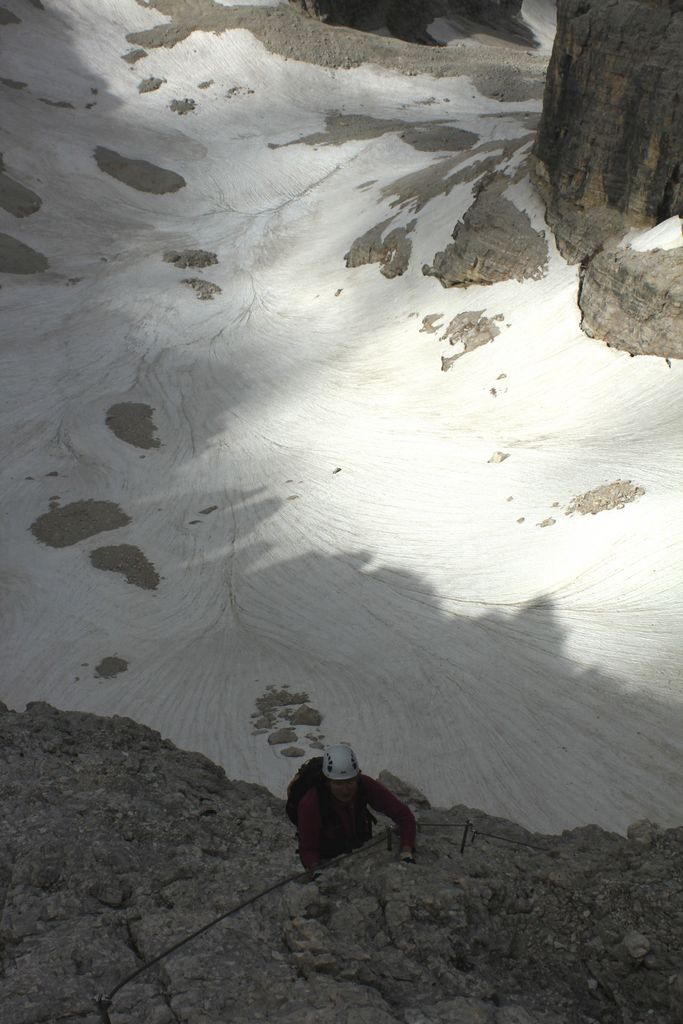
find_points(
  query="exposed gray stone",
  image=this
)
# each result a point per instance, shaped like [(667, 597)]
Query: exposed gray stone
[(637, 945), (493, 242), (185, 106), (282, 736), (391, 251), (150, 84), (203, 289), (605, 497), (305, 715), (643, 832), (470, 329), (114, 845), (133, 56), (404, 790), (610, 146), (190, 258), (634, 301)]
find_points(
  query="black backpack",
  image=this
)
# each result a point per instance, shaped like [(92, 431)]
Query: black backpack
[(310, 774)]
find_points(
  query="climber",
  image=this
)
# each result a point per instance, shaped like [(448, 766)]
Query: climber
[(328, 800)]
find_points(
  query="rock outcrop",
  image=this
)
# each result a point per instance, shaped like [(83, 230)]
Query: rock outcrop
[(391, 250), (115, 845), (634, 301), (494, 242), (609, 156)]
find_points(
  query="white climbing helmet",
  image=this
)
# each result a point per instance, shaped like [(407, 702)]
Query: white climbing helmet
[(339, 762)]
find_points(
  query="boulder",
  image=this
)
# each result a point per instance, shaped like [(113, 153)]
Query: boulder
[(634, 301)]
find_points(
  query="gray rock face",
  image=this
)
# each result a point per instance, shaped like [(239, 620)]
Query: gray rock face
[(114, 845), (609, 155), (391, 250), (634, 301), (494, 242), (611, 134)]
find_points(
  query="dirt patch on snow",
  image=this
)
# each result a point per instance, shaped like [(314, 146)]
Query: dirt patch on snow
[(138, 174), (62, 527), (132, 422), (601, 499), (15, 197), (129, 561), (7, 18), (18, 258), (110, 667), (429, 138)]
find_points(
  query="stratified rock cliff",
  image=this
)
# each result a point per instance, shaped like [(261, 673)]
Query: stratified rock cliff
[(609, 157), (634, 300), (114, 845), (610, 141)]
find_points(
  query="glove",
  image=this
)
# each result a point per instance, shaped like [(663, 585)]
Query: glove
[(316, 873), (407, 858)]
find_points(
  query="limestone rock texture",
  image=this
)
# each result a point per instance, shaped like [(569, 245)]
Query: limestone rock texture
[(634, 300), (610, 142), (609, 157), (115, 845), (494, 242)]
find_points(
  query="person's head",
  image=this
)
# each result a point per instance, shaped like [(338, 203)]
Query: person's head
[(341, 770)]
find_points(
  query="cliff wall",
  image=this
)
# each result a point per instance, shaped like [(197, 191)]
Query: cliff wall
[(610, 142), (609, 157)]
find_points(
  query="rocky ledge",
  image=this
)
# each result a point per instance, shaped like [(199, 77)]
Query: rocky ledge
[(114, 845)]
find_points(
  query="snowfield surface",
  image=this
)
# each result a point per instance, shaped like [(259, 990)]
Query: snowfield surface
[(321, 507)]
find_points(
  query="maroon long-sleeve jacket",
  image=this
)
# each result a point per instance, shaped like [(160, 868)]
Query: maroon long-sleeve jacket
[(343, 829)]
